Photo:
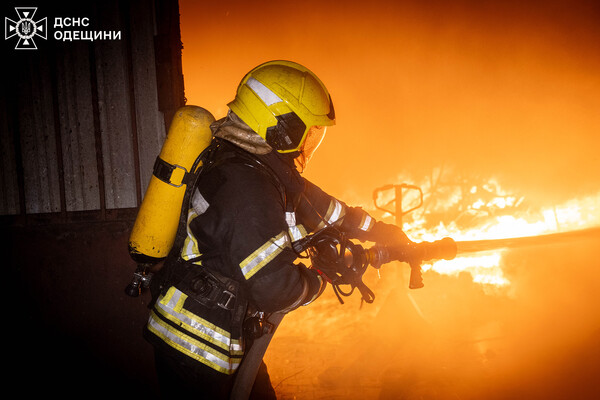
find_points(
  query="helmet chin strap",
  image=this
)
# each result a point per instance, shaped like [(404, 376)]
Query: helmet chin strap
[(294, 160), (301, 161)]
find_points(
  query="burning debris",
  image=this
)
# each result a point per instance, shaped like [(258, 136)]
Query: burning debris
[(484, 218)]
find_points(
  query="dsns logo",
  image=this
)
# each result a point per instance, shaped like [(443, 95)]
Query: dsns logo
[(26, 28)]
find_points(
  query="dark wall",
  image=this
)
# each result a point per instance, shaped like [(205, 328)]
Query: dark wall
[(73, 327), (81, 123)]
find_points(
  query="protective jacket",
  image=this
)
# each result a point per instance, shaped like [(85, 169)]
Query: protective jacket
[(237, 257)]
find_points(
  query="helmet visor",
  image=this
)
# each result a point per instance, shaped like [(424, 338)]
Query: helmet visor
[(313, 140)]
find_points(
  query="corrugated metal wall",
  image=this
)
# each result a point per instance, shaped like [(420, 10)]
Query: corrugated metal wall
[(81, 124), (83, 121)]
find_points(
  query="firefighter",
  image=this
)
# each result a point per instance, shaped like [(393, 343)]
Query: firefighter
[(249, 204)]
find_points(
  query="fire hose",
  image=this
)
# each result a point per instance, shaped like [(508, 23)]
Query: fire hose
[(344, 262), (516, 242)]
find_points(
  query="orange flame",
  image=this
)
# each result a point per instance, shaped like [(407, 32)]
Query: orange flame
[(496, 214), (486, 269)]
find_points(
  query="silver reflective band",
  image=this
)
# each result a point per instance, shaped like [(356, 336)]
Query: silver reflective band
[(295, 230), (335, 215), (263, 92), (265, 253), (290, 218), (192, 348), (199, 203), (190, 245), (367, 223), (199, 326)]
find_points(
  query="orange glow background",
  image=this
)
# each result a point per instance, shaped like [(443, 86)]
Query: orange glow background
[(496, 88)]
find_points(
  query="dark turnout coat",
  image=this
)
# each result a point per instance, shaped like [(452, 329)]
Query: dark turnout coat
[(244, 215)]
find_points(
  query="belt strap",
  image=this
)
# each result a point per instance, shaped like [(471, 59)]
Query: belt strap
[(213, 290), (206, 288)]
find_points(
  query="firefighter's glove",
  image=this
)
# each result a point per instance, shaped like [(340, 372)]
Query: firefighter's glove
[(388, 235), (393, 238)]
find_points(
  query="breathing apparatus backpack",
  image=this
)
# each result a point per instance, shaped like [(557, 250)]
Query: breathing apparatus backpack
[(175, 171)]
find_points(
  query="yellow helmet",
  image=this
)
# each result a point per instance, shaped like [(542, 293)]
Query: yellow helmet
[(283, 102)]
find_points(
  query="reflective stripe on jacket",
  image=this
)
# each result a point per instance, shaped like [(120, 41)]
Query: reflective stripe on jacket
[(242, 222), (192, 335)]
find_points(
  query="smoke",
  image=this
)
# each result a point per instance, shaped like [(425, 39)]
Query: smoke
[(498, 87), (508, 90), (452, 340)]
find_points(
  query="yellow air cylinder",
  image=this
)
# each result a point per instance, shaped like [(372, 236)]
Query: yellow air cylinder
[(155, 227)]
